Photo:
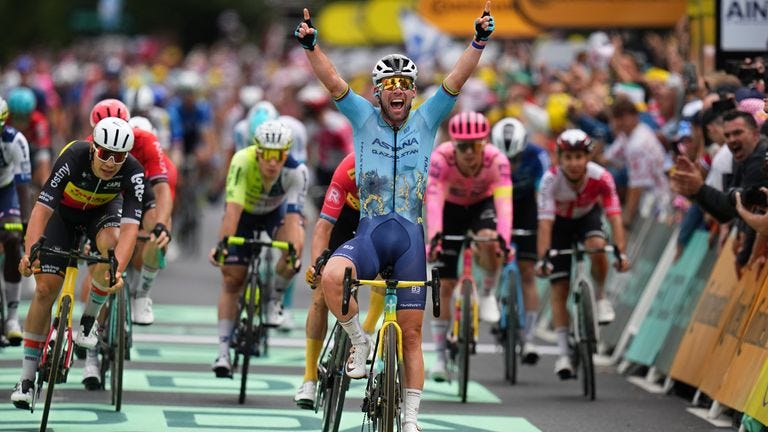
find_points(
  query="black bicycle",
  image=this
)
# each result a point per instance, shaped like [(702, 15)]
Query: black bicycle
[(115, 343), (332, 381), (250, 335)]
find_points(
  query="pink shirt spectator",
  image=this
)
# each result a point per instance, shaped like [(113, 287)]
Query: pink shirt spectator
[(447, 183), (557, 198)]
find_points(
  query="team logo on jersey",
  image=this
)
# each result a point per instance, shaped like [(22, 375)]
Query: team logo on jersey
[(334, 196), (138, 185), (59, 175)]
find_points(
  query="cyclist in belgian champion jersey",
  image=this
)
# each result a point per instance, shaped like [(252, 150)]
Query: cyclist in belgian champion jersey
[(15, 175), (528, 163), (266, 188), (96, 185), (392, 150), (568, 212), (469, 189)]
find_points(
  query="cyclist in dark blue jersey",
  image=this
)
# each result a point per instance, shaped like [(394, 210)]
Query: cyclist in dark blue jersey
[(392, 150)]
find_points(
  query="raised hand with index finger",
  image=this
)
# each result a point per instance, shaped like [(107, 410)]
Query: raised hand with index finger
[(484, 25), (305, 33)]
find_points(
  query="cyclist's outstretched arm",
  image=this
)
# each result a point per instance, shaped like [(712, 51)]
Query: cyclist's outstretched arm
[(38, 219), (321, 64), (617, 229), (544, 237), (466, 64)]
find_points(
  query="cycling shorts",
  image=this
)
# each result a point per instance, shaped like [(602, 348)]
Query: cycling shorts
[(269, 222), (565, 232), (61, 231), (457, 220), (390, 241), (9, 202), (525, 217)]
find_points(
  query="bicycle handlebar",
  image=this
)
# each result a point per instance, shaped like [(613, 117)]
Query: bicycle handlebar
[(255, 243), (320, 262), (39, 248), (581, 250), (351, 284)]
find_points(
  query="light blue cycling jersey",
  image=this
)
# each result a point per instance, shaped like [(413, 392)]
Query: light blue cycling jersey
[(392, 164)]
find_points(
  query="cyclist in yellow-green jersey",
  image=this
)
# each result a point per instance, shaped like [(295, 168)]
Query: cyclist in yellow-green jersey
[(265, 188)]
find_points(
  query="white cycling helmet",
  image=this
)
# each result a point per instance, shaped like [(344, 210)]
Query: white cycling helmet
[(273, 135), (114, 134), (142, 123), (394, 65), (140, 98), (298, 129), (509, 136)]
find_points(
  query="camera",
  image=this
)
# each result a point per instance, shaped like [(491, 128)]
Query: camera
[(754, 197)]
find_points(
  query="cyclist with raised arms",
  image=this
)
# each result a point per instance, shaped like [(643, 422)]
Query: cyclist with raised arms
[(571, 201), (96, 185), (265, 189), (15, 175), (469, 189), (528, 163), (392, 152), (337, 224)]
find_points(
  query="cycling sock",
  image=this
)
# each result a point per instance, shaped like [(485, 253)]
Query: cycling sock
[(97, 298), (375, 308), (33, 346), (288, 294), (313, 353), (439, 330), (354, 330), (225, 333), (562, 340), (531, 317), (147, 279), (12, 297), (412, 402)]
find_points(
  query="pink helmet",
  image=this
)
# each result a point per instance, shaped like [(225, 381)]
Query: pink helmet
[(469, 125), (109, 108)]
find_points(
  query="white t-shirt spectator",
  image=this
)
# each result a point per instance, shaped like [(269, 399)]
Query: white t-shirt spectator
[(722, 165), (643, 155)]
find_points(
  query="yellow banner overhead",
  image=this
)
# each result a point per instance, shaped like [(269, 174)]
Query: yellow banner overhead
[(456, 17), (362, 22), (601, 13)]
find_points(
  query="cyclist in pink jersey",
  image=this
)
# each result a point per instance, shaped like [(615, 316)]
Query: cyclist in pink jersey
[(568, 212), (469, 189)]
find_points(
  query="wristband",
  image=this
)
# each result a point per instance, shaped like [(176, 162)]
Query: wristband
[(477, 45)]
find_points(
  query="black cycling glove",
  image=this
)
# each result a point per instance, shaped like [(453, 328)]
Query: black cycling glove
[(309, 40), (484, 34)]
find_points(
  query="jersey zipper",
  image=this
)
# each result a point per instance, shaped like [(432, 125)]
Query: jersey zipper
[(394, 172), (96, 189)]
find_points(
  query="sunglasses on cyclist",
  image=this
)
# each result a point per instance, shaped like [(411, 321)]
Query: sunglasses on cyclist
[(474, 145), (269, 155), (392, 83), (105, 155)]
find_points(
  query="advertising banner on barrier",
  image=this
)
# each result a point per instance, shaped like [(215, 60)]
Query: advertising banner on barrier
[(719, 360), (657, 323), (681, 314), (707, 321), (750, 354), (757, 404), (642, 268)]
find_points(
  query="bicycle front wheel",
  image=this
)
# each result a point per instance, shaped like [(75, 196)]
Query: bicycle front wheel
[(390, 407), (248, 339), (511, 341), (56, 357), (465, 338), (118, 343), (588, 340), (339, 383)]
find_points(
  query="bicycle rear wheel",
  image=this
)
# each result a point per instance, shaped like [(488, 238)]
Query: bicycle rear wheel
[(118, 321), (338, 384), (465, 338), (588, 340), (390, 407), (248, 339), (511, 340), (55, 357)]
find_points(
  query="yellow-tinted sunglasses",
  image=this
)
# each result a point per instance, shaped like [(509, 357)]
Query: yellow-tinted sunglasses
[(272, 154), (475, 145), (392, 83)]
